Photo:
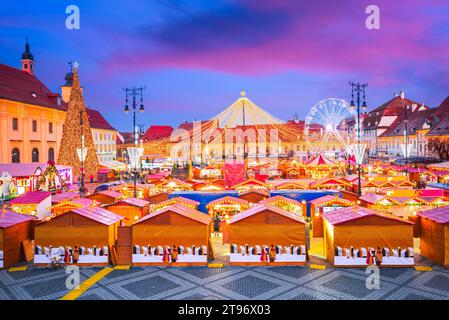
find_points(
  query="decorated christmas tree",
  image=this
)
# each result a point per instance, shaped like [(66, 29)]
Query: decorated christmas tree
[(71, 134), (47, 181)]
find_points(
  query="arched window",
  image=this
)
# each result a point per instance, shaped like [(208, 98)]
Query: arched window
[(15, 155), (51, 154), (35, 155)]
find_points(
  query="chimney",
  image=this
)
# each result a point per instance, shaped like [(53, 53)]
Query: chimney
[(402, 94)]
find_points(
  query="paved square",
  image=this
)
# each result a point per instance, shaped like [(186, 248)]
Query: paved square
[(230, 283)]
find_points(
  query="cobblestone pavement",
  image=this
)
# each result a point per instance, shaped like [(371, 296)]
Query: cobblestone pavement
[(198, 283)]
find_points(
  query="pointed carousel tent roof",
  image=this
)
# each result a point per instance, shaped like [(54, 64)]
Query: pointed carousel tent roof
[(320, 160), (232, 116)]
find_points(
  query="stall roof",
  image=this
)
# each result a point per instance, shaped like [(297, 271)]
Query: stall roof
[(111, 193), (371, 197), (9, 218), (31, 197), (98, 214), (262, 207), (181, 210), (327, 198), (280, 198), (136, 202), (60, 197), (228, 198), (344, 215), (438, 215)]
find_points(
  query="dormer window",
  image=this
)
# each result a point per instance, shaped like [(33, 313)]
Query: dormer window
[(34, 95)]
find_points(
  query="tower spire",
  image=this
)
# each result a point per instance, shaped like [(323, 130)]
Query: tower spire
[(27, 59)]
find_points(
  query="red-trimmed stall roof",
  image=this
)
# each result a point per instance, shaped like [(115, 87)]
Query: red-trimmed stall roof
[(31, 197)]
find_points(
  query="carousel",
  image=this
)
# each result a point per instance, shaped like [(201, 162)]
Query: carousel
[(321, 167)]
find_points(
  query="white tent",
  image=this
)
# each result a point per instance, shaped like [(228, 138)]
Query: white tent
[(253, 115)]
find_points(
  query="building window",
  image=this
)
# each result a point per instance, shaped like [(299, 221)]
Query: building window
[(15, 155), (51, 154), (35, 155), (15, 124), (34, 126), (50, 127)]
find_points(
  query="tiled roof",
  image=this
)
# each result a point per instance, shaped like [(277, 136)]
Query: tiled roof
[(98, 214), (343, 215), (31, 197), (415, 121), (262, 207), (393, 107), (441, 125), (438, 215), (157, 132), (97, 121), (9, 218), (181, 210), (22, 87)]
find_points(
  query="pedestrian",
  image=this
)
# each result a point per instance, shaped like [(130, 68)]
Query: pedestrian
[(272, 253), (66, 255), (379, 257), (76, 255), (174, 254), (217, 225), (369, 258)]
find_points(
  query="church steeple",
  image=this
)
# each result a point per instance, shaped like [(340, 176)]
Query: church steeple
[(28, 60)]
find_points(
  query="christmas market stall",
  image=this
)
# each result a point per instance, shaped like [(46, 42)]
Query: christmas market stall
[(251, 185), (70, 204), (157, 197), (322, 205), (64, 196), (222, 209), (435, 235), (291, 185), (34, 203), (131, 209), (354, 236), (405, 203), (83, 236), (214, 185), (254, 196), (174, 234), (266, 234), (15, 238), (106, 196), (186, 202), (288, 204), (127, 190), (170, 185), (330, 183)]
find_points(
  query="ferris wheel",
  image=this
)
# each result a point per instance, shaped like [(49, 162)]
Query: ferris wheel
[(330, 127)]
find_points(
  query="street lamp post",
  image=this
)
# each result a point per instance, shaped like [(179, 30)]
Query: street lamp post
[(134, 151), (359, 148), (82, 153)]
